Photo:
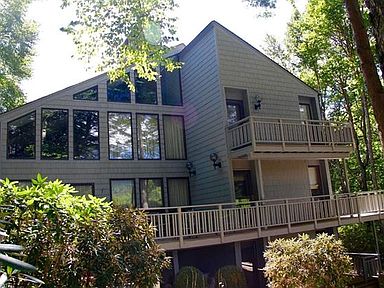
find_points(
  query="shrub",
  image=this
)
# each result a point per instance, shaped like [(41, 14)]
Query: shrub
[(307, 263), (190, 277), (230, 277), (81, 241)]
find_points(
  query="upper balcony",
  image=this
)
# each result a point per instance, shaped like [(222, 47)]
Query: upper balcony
[(255, 138)]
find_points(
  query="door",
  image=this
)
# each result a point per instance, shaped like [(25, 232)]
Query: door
[(235, 111), (244, 191), (315, 180)]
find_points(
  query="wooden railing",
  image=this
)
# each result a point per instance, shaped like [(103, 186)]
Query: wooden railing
[(366, 265), (200, 225), (311, 134)]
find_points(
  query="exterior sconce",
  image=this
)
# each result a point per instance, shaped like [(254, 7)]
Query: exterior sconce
[(191, 169), (258, 104), (214, 158)]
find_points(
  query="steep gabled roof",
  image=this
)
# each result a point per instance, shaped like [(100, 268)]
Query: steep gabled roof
[(215, 24)]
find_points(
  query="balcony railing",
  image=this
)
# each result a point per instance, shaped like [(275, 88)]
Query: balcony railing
[(192, 226), (289, 135), (366, 265)]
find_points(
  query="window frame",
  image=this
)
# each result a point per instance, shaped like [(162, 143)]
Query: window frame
[(162, 191), (134, 189), (73, 134), (7, 135), (189, 189), (109, 150), (138, 139), (41, 134), (130, 93), (184, 138), (92, 87), (85, 184)]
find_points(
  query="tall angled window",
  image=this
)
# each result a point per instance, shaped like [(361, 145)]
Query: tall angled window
[(86, 135), (54, 134), (174, 137), (151, 192), (90, 94), (148, 136), (120, 135), (118, 91), (171, 87), (21, 140), (146, 91)]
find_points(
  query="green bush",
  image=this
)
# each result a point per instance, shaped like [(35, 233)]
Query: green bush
[(307, 263), (230, 277), (81, 241), (190, 277)]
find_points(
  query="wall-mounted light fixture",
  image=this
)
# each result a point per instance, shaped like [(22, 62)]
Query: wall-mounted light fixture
[(191, 169), (257, 104), (215, 159)]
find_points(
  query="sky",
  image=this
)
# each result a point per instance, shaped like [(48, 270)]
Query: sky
[(56, 67)]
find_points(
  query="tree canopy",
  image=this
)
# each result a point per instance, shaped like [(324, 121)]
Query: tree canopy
[(17, 38)]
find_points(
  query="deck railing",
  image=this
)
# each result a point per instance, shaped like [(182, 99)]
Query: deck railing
[(366, 265), (285, 132), (224, 222)]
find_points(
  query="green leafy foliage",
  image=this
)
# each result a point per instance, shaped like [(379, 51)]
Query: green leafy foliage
[(120, 35), (81, 241), (307, 263), (17, 37), (230, 276), (190, 277)]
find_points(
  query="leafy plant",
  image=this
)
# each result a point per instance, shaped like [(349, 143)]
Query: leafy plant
[(190, 277), (307, 263), (230, 276), (81, 241)]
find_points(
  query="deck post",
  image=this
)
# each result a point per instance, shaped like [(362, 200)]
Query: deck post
[(346, 176), (258, 223), (253, 134), (282, 133), (221, 221), (338, 212), (314, 212), (288, 215), (308, 135), (180, 226)]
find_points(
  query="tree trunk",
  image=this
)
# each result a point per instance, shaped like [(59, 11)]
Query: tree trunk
[(371, 77), (376, 15)]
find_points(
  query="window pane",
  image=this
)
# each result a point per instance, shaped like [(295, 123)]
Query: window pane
[(85, 135), (54, 134), (305, 112), (174, 137), (120, 135), (90, 94), (148, 136), (118, 91), (151, 191), (123, 192), (83, 189), (170, 87), (146, 91), (22, 137), (178, 192), (235, 111)]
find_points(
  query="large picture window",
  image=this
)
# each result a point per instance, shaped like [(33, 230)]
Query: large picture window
[(123, 192), (178, 192), (54, 134), (120, 135), (170, 87), (118, 91), (151, 193), (86, 135), (146, 91), (90, 94), (148, 136), (22, 137), (174, 137), (84, 189)]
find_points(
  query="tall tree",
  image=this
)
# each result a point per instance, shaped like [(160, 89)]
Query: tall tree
[(119, 35), (367, 62), (17, 37)]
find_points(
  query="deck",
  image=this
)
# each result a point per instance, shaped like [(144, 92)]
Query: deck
[(255, 137), (204, 225)]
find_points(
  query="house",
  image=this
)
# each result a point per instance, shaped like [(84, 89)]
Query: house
[(232, 142)]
